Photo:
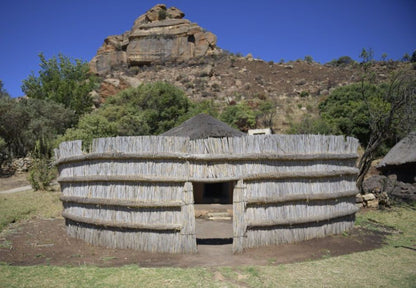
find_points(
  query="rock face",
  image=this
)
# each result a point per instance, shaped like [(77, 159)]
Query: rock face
[(159, 35)]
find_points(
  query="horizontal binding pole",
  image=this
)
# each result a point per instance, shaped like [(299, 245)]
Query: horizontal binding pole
[(205, 157), (123, 203), (301, 175), (140, 227), (121, 178), (301, 197), (247, 178), (285, 222)]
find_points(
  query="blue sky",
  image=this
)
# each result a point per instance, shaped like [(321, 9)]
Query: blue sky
[(270, 30)]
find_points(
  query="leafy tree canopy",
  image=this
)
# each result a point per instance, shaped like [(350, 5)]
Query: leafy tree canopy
[(353, 110), (64, 81), (27, 121), (149, 109)]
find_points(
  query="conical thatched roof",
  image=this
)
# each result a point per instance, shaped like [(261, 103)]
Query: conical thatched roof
[(203, 126), (402, 153)]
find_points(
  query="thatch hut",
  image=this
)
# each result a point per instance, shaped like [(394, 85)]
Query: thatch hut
[(401, 160), (139, 192)]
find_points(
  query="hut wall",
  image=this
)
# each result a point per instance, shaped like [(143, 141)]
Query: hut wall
[(137, 192)]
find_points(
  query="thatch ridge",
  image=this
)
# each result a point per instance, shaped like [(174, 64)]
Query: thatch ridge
[(203, 126)]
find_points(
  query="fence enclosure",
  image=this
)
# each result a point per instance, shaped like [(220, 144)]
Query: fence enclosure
[(137, 192)]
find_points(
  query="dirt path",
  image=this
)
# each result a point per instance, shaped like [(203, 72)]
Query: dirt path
[(14, 183), (46, 242)]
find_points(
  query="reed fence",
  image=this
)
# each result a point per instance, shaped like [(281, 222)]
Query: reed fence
[(136, 192)]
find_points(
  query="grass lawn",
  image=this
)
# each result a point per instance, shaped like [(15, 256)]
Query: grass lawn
[(394, 265)]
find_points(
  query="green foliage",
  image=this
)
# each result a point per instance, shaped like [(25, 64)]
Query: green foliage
[(413, 58), (312, 125), (406, 57), (342, 61), (160, 104), (240, 116), (3, 92), (346, 110), (63, 81), (3, 150), (359, 110), (147, 109), (27, 121), (367, 55), (308, 59), (90, 126), (41, 173)]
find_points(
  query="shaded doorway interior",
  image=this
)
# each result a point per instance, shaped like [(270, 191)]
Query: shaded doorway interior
[(213, 210), (213, 193)]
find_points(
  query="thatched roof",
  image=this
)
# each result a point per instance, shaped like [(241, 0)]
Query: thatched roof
[(203, 126), (403, 152)]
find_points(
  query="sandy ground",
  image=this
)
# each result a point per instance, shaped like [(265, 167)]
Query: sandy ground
[(45, 242)]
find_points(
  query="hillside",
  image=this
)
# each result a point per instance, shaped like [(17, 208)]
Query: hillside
[(162, 46)]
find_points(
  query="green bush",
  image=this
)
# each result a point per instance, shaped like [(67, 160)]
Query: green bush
[(312, 125), (41, 174), (149, 109), (239, 116)]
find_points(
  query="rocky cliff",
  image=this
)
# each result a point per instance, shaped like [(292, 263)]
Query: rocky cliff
[(158, 36)]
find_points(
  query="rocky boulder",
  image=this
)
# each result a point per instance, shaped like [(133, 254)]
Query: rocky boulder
[(383, 188), (160, 35)]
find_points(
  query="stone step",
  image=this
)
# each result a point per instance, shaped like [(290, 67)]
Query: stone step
[(218, 214), (219, 218)]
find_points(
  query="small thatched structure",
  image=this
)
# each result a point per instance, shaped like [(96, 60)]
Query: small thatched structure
[(139, 192), (203, 126), (401, 160)]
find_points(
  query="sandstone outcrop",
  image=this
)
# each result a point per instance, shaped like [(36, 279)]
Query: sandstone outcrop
[(160, 35)]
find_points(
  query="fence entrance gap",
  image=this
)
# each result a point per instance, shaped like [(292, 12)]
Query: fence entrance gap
[(213, 211)]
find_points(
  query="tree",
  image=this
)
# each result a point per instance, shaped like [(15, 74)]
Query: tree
[(3, 92), (384, 57), (400, 94), (378, 115), (413, 58), (161, 104), (25, 122), (64, 81), (367, 55), (406, 57), (308, 59), (148, 109)]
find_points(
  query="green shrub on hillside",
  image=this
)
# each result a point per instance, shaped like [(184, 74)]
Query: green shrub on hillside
[(240, 116), (149, 109)]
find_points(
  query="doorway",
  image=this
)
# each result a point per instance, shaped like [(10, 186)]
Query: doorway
[(213, 193), (213, 212)]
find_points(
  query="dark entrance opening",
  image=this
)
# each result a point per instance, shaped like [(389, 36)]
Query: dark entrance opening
[(213, 210), (213, 193)]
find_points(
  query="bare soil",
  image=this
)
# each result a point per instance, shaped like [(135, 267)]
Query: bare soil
[(45, 242)]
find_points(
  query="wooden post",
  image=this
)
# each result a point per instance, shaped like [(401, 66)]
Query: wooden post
[(239, 225), (188, 220)]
